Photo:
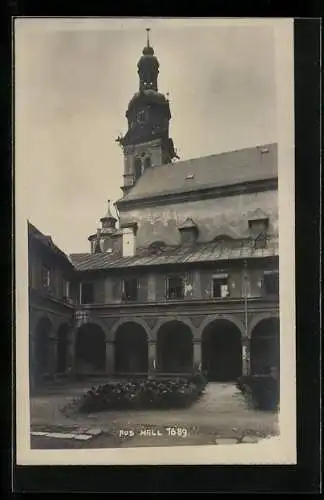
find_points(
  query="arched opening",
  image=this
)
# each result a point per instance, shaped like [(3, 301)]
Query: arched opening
[(265, 346), (222, 351), (62, 348), (42, 347), (175, 348), (131, 349), (90, 349)]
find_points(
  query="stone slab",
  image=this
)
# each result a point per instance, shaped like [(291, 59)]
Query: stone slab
[(94, 432), (250, 439), (226, 441), (63, 435), (82, 437)]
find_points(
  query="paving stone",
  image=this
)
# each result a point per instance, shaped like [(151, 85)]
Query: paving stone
[(250, 439), (82, 437), (59, 435), (226, 441), (93, 432), (82, 430)]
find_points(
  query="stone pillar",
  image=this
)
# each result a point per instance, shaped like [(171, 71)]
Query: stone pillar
[(197, 354), (71, 353), (110, 357), (152, 356), (246, 356)]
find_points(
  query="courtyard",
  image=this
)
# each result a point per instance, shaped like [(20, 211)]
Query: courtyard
[(221, 413)]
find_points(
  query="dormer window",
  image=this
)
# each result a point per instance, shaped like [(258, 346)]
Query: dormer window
[(156, 248), (188, 232)]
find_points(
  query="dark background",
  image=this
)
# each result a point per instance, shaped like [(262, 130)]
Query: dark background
[(305, 476)]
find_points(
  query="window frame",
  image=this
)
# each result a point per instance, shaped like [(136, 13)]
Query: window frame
[(123, 291), (169, 277), (147, 162), (138, 167), (82, 302), (48, 284), (271, 274), (220, 277), (141, 116)]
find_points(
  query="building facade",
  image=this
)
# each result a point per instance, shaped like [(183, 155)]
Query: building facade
[(189, 280)]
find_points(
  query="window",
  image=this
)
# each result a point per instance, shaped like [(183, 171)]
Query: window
[(175, 287), (130, 289), (220, 288), (147, 162), (46, 277), (141, 116), (271, 282), (138, 168), (66, 290), (87, 293)]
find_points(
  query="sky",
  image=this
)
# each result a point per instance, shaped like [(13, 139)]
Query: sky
[(74, 79)]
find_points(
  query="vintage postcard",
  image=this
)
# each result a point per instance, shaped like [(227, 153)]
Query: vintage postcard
[(154, 179)]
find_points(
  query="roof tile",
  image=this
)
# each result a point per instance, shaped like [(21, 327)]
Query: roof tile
[(202, 252), (224, 169)]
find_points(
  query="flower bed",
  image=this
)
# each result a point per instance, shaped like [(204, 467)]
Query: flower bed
[(142, 394), (260, 391)]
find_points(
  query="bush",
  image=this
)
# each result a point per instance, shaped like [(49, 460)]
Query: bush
[(262, 391), (136, 394)]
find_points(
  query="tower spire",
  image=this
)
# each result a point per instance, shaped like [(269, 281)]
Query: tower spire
[(148, 36)]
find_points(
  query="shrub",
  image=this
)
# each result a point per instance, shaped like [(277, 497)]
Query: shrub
[(150, 393), (262, 391)]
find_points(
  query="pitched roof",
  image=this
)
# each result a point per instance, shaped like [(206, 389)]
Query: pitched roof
[(79, 257), (202, 252), (224, 169), (47, 241)]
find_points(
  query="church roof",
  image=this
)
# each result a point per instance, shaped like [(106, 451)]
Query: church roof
[(219, 170), (200, 252)]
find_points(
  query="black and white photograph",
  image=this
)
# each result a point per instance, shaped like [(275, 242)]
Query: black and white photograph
[(154, 241)]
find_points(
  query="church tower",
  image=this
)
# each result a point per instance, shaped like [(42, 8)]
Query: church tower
[(146, 143)]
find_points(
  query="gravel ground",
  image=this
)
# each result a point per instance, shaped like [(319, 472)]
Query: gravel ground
[(220, 412)]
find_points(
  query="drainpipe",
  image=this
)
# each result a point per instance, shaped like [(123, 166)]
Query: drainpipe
[(246, 349), (245, 299)]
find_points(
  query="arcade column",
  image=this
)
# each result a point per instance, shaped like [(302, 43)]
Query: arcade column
[(152, 356), (71, 352), (197, 353), (246, 361), (110, 355)]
